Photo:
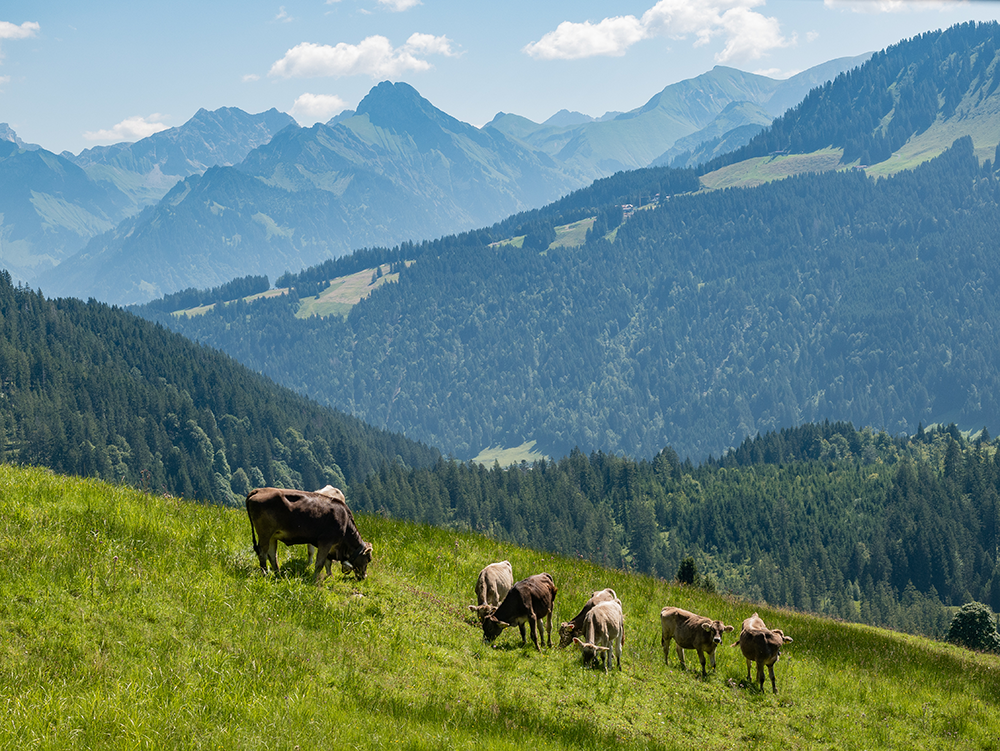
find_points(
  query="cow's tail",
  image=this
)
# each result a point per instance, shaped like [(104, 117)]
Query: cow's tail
[(253, 530)]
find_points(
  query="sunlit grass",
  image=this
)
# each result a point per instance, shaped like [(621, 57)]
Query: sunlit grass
[(134, 621)]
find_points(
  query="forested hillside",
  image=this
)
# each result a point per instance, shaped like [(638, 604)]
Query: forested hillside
[(875, 109), (707, 319), (825, 518), (90, 390)]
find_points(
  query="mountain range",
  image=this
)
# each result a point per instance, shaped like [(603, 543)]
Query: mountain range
[(51, 205), (155, 216), (705, 316)]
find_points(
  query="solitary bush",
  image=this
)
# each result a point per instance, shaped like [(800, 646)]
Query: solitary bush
[(972, 627)]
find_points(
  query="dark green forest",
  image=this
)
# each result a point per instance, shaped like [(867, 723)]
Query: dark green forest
[(854, 524), (708, 319), (91, 390)]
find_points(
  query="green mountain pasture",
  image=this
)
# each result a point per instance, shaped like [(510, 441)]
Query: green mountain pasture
[(138, 621)]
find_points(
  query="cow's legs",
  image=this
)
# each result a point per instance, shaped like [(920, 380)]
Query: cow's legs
[(701, 659), (322, 555), (680, 656), (760, 675), (521, 628), (535, 625), (309, 555), (272, 553), (548, 629), (770, 670), (711, 656)]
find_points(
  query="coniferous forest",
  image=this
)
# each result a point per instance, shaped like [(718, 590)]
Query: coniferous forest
[(854, 524), (700, 322), (91, 390)]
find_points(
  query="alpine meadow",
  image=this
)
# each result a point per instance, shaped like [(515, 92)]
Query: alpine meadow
[(734, 351)]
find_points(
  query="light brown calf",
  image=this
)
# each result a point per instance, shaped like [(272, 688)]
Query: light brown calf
[(492, 586), (761, 645), (569, 629), (603, 630), (690, 631)]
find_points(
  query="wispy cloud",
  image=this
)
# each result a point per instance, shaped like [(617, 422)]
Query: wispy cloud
[(400, 5), (129, 129), (313, 108), (10, 30), (283, 16), (374, 56), (250, 77), (13, 31), (747, 35), (893, 6)]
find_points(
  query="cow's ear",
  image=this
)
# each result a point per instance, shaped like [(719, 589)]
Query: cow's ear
[(602, 649), (706, 626), (577, 642), (728, 628)]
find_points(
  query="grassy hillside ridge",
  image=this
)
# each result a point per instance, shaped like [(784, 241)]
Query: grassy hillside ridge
[(151, 628)]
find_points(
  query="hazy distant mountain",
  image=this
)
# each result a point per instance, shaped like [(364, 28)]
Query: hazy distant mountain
[(148, 168), (638, 138), (644, 136), (49, 209), (7, 134), (397, 169), (744, 118)]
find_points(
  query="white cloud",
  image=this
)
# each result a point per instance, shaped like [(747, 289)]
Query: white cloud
[(313, 108), (129, 129), (893, 6), (400, 5), (747, 34), (250, 77), (610, 37), (373, 56), (13, 31), (282, 16)]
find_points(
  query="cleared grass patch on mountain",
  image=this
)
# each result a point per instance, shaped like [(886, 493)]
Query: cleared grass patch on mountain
[(134, 620), (344, 293), (507, 456), (765, 169)]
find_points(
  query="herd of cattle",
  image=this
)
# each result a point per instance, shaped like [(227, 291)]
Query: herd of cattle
[(322, 520)]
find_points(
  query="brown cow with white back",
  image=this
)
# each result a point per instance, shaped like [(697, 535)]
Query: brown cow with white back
[(761, 645), (298, 517), (690, 631)]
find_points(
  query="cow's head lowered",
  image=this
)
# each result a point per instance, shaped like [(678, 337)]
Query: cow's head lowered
[(359, 562)]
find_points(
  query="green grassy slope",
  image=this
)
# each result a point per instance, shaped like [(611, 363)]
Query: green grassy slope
[(134, 621)]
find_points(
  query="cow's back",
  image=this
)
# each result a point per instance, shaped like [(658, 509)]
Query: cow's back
[(298, 517)]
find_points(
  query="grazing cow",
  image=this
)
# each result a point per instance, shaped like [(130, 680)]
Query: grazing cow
[(691, 631), (530, 600), (762, 645), (338, 495), (603, 631), (298, 517), (569, 629), (492, 586)]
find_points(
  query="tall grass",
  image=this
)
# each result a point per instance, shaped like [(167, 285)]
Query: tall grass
[(133, 621)]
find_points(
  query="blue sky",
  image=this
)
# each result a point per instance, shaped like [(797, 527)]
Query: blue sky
[(76, 75)]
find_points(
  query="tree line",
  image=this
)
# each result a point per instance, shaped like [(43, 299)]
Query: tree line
[(853, 524), (90, 390)]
